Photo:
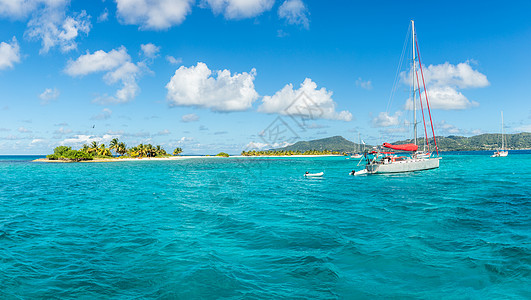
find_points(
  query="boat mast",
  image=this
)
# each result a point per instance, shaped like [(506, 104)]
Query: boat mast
[(413, 83), (503, 136)]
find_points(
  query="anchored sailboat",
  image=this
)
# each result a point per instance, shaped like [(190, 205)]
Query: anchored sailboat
[(384, 159), (502, 152), (358, 154)]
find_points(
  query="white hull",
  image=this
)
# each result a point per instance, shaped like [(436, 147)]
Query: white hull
[(500, 154), (408, 165), (314, 174)]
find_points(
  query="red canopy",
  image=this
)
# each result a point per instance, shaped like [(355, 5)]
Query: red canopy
[(405, 147)]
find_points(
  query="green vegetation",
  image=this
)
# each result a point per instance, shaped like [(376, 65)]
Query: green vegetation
[(488, 141), (95, 150), (334, 144), (290, 153), (177, 151), (222, 154), (67, 154)]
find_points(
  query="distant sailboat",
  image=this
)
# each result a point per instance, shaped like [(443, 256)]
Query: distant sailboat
[(358, 155), (384, 159), (502, 152)]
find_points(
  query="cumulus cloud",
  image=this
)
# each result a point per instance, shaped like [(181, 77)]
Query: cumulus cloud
[(385, 119), (239, 9), (446, 98), (443, 83), (96, 62), (295, 12), (118, 67), (461, 76), (53, 27), (153, 14), (81, 139), (9, 54), (174, 61), (150, 50), (48, 95), (307, 101), (223, 92), (190, 118)]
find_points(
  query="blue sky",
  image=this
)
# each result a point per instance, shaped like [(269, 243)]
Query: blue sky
[(222, 75)]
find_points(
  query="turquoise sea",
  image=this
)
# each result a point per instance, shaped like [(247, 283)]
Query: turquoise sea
[(255, 228)]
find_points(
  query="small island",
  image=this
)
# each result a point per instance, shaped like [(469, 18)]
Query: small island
[(99, 152)]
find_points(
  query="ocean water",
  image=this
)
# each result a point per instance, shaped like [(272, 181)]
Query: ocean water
[(255, 228)]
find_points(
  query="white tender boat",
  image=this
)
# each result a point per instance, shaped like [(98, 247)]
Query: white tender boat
[(314, 174)]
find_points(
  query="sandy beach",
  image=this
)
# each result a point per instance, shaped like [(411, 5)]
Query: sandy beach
[(173, 158)]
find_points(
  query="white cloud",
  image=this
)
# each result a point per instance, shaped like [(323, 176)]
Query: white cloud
[(443, 83), (195, 86), (9, 54), (190, 118), (174, 61), (62, 131), (23, 130), (364, 84), (104, 16), (49, 22), (524, 128), (150, 50), (295, 12), (164, 132), (445, 98), (307, 101), (99, 61), (239, 9), (117, 64), (262, 146), (185, 140), (460, 76), (37, 141), (53, 28), (81, 139), (49, 94), (104, 115), (384, 119), (153, 14)]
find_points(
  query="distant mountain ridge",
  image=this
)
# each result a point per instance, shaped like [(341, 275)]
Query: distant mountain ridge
[(334, 143), (487, 141)]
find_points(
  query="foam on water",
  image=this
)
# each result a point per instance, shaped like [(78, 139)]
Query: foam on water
[(256, 228)]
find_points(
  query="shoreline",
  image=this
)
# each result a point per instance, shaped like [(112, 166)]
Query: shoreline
[(175, 158)]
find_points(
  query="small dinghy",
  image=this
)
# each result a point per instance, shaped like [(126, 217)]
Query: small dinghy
[(314, 174)]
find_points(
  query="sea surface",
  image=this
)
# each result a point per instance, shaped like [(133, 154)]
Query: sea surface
[(255, 228)]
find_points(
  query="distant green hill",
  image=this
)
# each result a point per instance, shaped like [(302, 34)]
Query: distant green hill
[(488, 141), (335, 143)]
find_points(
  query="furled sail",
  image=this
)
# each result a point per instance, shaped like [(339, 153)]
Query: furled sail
[(404, 147)]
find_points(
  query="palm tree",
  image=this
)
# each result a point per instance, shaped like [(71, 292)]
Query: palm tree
[(177, 151), (85, 148), (103, 151), (93, 148), (121, 149), (114, 145)]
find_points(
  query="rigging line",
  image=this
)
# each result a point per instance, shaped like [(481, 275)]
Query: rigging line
[(395, 82), (422, 109), (426, 94)]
